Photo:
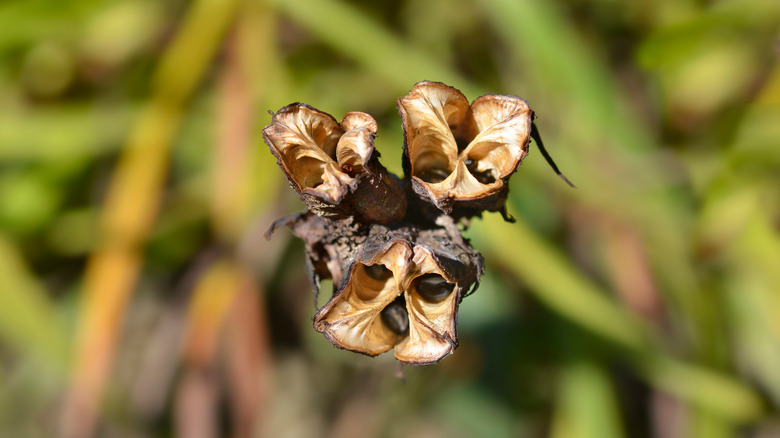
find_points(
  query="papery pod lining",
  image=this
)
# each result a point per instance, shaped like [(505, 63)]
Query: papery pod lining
[(351, 320), (492, 139), (333, 167)]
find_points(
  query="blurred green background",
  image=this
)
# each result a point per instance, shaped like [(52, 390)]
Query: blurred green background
[(138, 297)]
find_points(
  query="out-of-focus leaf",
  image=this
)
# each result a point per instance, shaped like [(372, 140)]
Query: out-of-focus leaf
[(586, 406), (758, 251), (475, 413), (27, 21), (548, 44), (121, 30), (556, 282), (724, 215), (27, 202), (728, 398), (72, 232), (28, 320), (752, 304), (358, 36), (491, 304), (729, 20), (60, 133), (755, 146), (131, 205), (605, 133)]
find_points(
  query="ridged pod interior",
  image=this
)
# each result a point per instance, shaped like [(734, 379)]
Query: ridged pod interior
[(353, 318), (458, 152), (333, 167), (304, 141)]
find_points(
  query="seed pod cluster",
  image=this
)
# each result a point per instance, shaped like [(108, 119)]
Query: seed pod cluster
[(399, 264)]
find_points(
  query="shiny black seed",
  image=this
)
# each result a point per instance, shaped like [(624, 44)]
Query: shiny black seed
[(433, 287), (484, 177), (378, 272), (434, 175), (394, 316)]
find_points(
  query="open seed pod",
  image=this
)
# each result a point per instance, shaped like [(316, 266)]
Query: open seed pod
[(333, 167), (459, 156), (402, 290)]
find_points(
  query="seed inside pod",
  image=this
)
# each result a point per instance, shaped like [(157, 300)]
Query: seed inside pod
[(333, 166), (432, 287), (434, 175), (459, 156), (378, 272), (395, 317), (484, 176)]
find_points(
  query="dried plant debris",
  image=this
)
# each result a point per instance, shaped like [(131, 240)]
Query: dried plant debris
[(333, 166), (398, 276)]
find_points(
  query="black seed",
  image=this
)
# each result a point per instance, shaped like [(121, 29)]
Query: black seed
[(378, 272), (433, 287), (462, 143), (395, 317), (434, 175), (484, 177)]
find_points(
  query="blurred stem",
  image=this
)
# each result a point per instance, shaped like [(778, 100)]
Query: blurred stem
[(131, 204), (197, 395), (249, 357), (229, 201), (210, 304), (248, 352)]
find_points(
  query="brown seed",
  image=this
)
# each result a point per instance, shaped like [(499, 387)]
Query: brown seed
[(378, 272), (395, 316), (433, 287), (434, 175)]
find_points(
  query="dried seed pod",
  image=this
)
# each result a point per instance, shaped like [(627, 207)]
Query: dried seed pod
[(333, 167), (329, 244), (401, 290), (459, 156)]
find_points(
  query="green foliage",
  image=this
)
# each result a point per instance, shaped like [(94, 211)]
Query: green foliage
[(643, 303)]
